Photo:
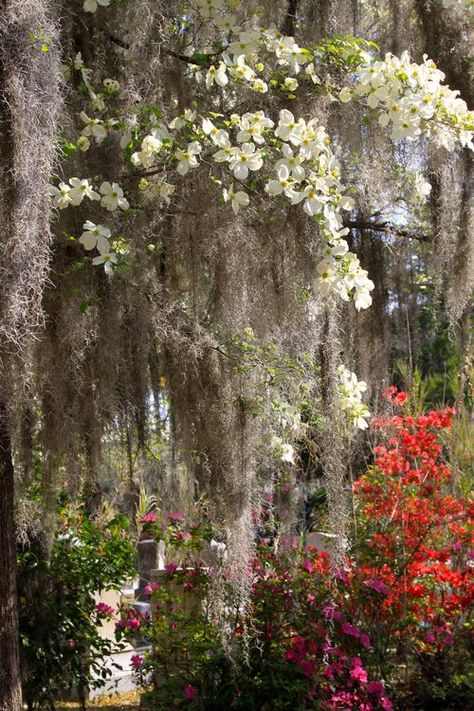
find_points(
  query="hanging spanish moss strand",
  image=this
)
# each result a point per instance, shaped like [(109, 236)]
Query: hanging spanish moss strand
[(334, 454), (29, 104)]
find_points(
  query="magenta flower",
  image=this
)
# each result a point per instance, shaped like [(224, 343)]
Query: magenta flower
[(190, 692), (134, 623), (104, 609), (358, 674), (377, 585), (350, 630), (376, 688), (176, 517), (365, 640), (136, 661), (148, 518), (170, 567)]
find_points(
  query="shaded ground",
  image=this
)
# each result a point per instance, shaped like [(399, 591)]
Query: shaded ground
[(122, 702)]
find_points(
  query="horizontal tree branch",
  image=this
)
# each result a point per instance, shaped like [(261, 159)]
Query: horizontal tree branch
[(388, 228)]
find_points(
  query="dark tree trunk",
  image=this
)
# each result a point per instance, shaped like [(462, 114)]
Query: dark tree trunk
[(10, 677)]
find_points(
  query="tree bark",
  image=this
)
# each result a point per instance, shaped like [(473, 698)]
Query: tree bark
[(10, 676)]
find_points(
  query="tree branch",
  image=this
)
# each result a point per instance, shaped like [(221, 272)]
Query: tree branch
[(288, 26), (387, 227)]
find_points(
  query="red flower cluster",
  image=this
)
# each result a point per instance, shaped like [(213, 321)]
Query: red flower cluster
[(417, 535)]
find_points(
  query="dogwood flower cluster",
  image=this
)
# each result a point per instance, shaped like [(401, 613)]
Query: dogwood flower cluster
[(151, 147), (298, 154), (94, 128), (97, 237), (350, 398), (411, 99), (111, 195), (72, 194), (306, 172), (460, 6), (252, 53), (94, 236)]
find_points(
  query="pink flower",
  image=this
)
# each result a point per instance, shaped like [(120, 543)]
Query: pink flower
[(310, 598), (190, 692), (148, 518), (148, 589), (176, 517), (350, 630), (170, 567), (365, 640), (104, 609), (358, 674), (377, 585), (134, 623), (376, 688), (136, 661), (308, 566)]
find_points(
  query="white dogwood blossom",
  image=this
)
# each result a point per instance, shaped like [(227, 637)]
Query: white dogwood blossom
[(350, 398), (241, 70), (409, 97), (95, 237), (112, 196), (244, 159), (150, 147), (81, 188), (252, 127), (283, 184), (188, 158), (107, 259), (237, 199), (93, 127), (217, 75), (61, 195), (91, 5)]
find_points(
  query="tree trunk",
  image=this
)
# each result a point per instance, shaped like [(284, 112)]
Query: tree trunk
[(10, 677)]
